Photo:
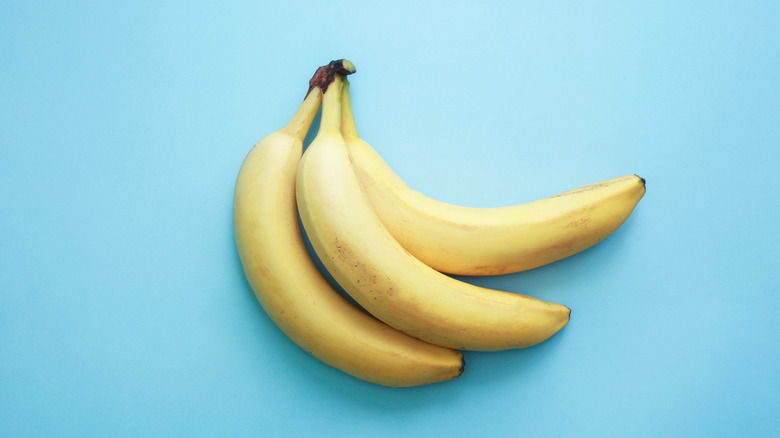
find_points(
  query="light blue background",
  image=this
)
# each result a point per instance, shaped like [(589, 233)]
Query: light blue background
[(123, 307)]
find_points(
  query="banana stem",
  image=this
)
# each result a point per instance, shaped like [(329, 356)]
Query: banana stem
[(330, 124), (318, 84), (348, 127), (301, 122)]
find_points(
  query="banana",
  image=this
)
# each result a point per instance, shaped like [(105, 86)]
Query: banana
[(489, 241), (288, 285), (384, 278)]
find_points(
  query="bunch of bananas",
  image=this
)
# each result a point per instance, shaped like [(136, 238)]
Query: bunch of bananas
[(390, 248)]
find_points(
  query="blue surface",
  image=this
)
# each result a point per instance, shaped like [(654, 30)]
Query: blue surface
[(123, 308)]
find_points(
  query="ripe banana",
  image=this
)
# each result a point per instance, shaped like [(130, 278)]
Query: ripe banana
[(287, 283), (489, 241), (385, 279)]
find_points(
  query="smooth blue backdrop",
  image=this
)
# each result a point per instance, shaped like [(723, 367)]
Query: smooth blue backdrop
[(123, 307)]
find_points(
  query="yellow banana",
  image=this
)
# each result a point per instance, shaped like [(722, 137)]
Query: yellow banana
[(489, 241), (385, 279), (287, 283)]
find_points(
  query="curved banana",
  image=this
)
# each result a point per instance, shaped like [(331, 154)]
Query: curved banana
[(293, 292), (385, 279), (489, 241)]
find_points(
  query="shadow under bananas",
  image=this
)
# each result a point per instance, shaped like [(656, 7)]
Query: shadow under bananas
[(487, 375)]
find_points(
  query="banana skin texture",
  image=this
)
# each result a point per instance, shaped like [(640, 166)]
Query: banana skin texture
[(288, 285), (384, 278), (489, 241)]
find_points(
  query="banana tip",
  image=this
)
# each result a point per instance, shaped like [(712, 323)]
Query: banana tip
[(644, 182), (347, 67), (327, 73)]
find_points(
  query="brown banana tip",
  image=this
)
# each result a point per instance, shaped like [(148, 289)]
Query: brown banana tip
[(644, 182), (343, 66), (319, 78), (327, 73), (462, 366)]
